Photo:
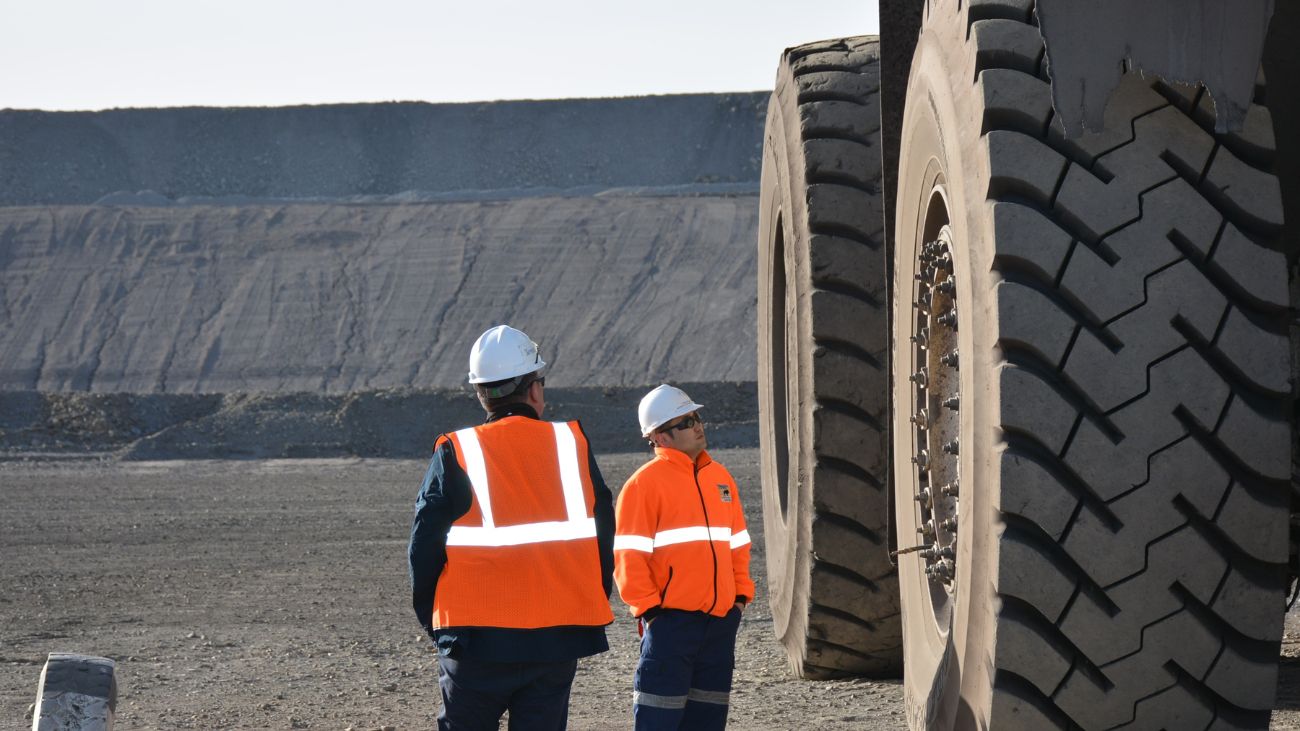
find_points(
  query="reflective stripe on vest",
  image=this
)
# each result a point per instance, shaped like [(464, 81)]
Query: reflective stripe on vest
[(490, 534), (680, 535)]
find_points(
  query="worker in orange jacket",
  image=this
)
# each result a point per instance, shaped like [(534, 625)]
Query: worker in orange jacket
[(681, 561), (511, 552)]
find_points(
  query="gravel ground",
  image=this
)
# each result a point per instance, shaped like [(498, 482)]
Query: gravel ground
[(273, 595)]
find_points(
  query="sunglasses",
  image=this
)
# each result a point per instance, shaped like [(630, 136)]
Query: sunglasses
[(687, 423)]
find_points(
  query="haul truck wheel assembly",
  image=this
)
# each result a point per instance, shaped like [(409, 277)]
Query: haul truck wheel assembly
[(823, 344), (1091, 398)]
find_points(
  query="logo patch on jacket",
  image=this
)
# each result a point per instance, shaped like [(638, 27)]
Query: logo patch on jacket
[(725, 490)]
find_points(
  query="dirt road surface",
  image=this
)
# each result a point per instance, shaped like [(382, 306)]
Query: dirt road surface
[(273, 595)]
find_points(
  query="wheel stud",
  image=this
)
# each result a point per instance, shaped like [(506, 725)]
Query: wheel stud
[(919, 378), (936, 553), (941, 572), (951, 447)]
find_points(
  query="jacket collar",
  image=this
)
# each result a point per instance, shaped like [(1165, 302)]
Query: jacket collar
[(678, 457), (515, 409)]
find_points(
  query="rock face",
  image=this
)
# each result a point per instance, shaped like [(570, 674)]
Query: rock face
[(59, 158), (618, 290)]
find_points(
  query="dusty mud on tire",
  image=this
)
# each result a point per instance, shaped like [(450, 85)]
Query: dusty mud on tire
[(823, 365), (1123, 389)]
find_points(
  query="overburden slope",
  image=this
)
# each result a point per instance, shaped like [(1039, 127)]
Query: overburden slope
[(307, 281), (619, 290)]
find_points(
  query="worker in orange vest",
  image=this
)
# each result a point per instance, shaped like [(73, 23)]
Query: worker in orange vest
[(681, 557), (511, 552)]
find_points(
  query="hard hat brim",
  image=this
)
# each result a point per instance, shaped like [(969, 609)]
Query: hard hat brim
[(680, 412), (532, 368)]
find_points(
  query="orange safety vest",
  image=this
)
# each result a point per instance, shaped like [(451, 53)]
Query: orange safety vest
[(681, 541), (524, 555)]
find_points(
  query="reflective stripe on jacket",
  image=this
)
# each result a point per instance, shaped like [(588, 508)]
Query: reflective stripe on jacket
[(680, 539), (525, 553)]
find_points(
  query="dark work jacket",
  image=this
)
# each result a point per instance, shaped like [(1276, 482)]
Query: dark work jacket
[(444, 497)]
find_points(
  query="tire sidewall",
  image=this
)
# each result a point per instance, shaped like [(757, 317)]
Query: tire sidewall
[(936, 159), (789, 536)]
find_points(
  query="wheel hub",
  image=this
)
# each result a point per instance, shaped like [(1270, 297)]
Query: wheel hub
[(936, 410)]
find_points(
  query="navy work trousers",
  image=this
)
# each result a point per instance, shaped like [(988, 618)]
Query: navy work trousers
[(476, 693), (683, 680)]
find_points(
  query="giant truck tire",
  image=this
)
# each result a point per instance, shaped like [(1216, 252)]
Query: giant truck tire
[(1091, 397), (823, 345)]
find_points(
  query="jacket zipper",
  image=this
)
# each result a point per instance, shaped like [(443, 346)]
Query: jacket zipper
[(663, 595), (708, 528)]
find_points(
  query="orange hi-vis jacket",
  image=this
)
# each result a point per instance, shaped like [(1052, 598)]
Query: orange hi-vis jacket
[(525, 554), (680, 540)]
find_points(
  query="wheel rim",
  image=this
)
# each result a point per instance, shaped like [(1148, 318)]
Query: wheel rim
[(936, 413), (782, 350)]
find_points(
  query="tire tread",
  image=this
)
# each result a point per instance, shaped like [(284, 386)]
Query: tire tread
[(830, 92)]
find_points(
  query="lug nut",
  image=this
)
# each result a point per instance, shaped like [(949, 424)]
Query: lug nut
[(941, 571), (951, 447), (920, 418), (952, 403), (949, 525), (949, 359), (936, 553), (947, 286), (922, 459), (927, 528), (919, 378), (923, 497), (949, 490), (948, 319)]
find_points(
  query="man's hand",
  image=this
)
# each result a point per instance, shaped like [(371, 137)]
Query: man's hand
[(740, 606)]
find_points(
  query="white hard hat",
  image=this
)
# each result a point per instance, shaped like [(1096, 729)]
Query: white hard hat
[(502, 353), (661, 406)]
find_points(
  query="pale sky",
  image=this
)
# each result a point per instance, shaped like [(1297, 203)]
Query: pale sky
[(98, 54)]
